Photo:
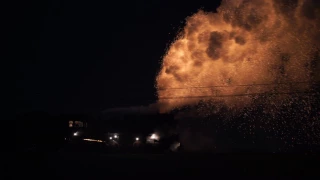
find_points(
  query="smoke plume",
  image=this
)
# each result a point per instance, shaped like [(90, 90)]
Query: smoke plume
[(248, 47)]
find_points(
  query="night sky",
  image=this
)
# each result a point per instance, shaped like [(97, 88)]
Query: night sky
[(84, 56)]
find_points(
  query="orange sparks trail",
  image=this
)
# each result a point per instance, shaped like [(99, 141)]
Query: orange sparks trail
[(247, 47)]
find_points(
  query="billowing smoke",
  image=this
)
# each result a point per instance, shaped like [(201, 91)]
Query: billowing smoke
[(248, 47)]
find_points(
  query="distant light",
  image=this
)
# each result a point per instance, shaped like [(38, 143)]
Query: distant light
[(110, 138), (94, 140), (75, 134), (137, 139), (115, 136), (152, 138)]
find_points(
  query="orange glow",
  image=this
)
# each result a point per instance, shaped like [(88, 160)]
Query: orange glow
[(247, 47)]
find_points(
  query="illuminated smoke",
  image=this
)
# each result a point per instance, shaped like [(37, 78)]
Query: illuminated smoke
[(248, 47)]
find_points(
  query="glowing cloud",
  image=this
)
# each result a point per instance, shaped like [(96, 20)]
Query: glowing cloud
[(247, 47)]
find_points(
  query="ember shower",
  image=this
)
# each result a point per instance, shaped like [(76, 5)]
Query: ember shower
[(247, 47)]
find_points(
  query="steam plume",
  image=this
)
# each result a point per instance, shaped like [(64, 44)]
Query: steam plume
[(247, 47)]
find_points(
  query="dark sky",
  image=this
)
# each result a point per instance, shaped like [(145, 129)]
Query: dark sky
[(78, 56)]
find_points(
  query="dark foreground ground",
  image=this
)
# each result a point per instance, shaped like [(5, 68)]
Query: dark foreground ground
[(93, 165)]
